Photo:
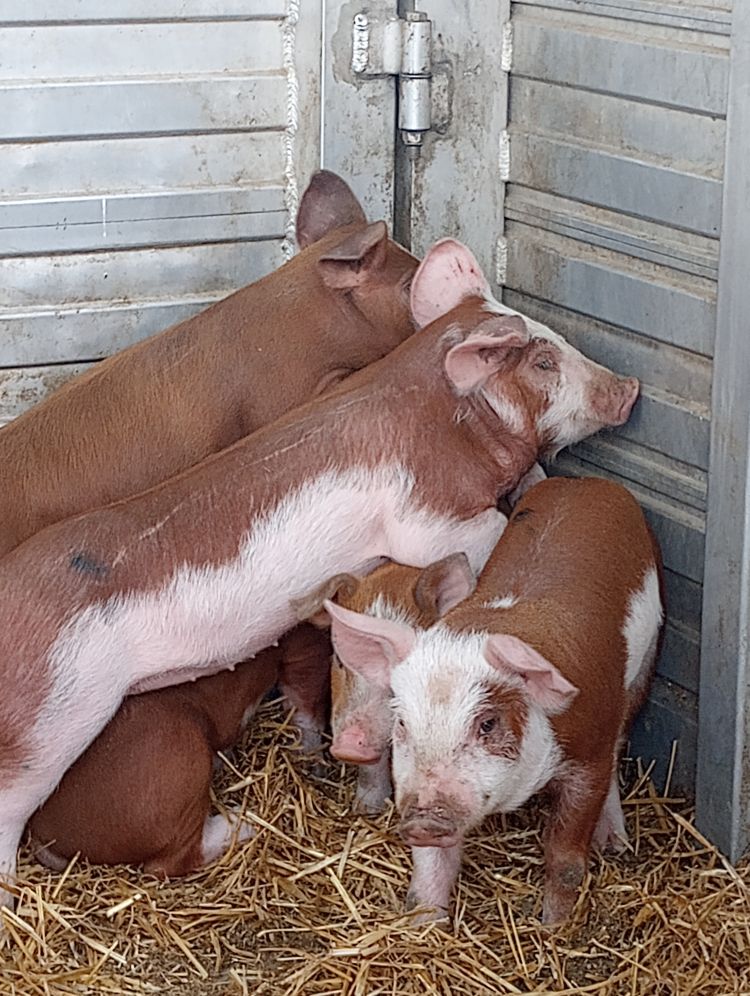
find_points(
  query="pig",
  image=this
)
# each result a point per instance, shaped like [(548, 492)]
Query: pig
[(140, 794), (163, 405), (150, 411), (529, 684), (360, 711), (405, 460)]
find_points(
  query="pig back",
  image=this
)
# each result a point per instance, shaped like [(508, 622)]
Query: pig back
[(164, 404)]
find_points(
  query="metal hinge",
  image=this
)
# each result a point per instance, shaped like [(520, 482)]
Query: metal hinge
[(400, 47)]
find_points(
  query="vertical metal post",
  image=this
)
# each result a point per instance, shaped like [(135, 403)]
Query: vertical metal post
[(723, 767), (404, 170)]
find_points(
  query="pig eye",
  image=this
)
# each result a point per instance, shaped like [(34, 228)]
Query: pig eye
[(545, 363), (487, 726)]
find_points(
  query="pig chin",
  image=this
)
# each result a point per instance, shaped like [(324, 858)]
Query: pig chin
[(430, 831)]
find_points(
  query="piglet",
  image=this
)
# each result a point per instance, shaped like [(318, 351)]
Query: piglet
[(360, 711), (529, 684), (140, 794)]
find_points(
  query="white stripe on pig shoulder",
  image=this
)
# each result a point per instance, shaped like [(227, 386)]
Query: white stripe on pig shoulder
[(438, 693), (381, 608), (641, 626), (204, 619), (505, 602)]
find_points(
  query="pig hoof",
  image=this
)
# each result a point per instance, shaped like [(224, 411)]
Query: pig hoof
[(47, 857), (611, 837), (421, 915), (219, 832), (555, 914), (369, 805), (310, 740), (424, 912)]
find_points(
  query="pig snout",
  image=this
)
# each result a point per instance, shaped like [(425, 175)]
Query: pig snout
[(433, 827), (614, 397), (355, 746)]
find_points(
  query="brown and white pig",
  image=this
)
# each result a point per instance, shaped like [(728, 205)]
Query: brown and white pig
[(165, 404), (528, 684), (360, 711), (403, 461), (140, 794)]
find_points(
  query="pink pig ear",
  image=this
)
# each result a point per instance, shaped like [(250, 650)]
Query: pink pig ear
[(448, 274), (369, 646), (544, 683), (485, 351)]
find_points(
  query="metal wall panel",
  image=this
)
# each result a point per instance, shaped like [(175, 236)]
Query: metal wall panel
[(612, 218), (150, 158), (722, 797)]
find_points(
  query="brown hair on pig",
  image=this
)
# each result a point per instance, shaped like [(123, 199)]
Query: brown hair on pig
[(360, 712)]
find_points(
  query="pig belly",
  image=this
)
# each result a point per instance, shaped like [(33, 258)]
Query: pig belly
[(177, 676)]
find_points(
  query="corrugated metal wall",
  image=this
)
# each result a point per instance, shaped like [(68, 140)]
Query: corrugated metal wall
[(616, 124), (141, 171)]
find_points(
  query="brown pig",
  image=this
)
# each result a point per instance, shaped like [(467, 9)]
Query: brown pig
[(140, 794), (167, 402), (529, 684), (360, 711)]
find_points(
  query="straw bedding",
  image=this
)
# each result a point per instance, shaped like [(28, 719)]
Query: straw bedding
[(312, 905)]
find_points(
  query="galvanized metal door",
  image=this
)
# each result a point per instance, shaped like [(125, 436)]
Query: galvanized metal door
[(583, 161), (151, 154)]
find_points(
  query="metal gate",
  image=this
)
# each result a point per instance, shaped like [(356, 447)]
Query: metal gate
[(582, 158), (150, 154)]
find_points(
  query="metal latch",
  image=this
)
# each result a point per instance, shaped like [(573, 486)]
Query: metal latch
[(399, 47)]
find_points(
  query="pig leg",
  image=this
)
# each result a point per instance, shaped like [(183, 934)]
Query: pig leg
[(17, 802), (218, 833), (10, 838), (435, 872), (373, 785), (204, 842), (610, 830), (305, 681), (577, 811)]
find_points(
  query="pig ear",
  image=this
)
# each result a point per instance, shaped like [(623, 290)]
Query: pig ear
[(444, 584), (367, 645), (484, 351), (356, 258), (310, 608), (544, 683), (448, 273), (328, 203)]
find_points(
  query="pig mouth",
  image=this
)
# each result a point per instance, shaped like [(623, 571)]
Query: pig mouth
[(429, 831), (359, 756)]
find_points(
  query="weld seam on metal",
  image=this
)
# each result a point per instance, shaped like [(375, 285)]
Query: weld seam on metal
[(503, 161), (506, 48), (501, 261), (291, 190)]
